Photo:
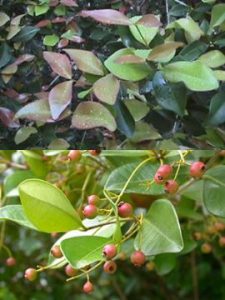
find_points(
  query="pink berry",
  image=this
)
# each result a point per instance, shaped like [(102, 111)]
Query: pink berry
[(110, 267), (88, 287), (93, 199), (30, 274), (197, 169), (70, 271), (137, 258), (90, 211), (163, 173), (74, 155), (109, 251), (10, 262), (171, 186), (56, 251), (125, 209)]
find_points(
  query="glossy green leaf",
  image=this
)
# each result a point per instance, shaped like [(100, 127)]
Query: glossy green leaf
[(12, 181), (133, 72), (84, 250), (51, 40), (35, 163), (195, 75), (217, 109), (144, 132), (160, 235), (213, 59), (24, 133), (165, 263), (137, 108), (124, 119), (92, 114), (26, 34), (139, 182), (15, 213), (55, 212), (213, 191), (218, 15), (4, 18)]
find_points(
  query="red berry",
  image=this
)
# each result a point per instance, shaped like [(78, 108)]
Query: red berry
[(197, 169), (70, 271), (137, 258), (206, 248), (163, 173), (109, 251), (88, 287), (10, 262), (125, 209), (30, 274), (93, 199), (171, 186), (56, 251), (74, 155), (90, 211), (110, 267), (94, 152), (222, 241), (219, 226)]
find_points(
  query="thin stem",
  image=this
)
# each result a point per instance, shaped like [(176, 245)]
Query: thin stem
[(85, 272), (167, 12)]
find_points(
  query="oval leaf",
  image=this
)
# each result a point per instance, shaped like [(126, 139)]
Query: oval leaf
[(92, 114), (106, 16), (47, 207), (59, 63), (160, 235), (86, 61), (60, 97), (106, 89)]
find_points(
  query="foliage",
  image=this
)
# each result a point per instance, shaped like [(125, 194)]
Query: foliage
[(80, 74), (177, 231)]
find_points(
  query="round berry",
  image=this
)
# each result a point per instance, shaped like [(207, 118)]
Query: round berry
[(109, 251), (197, 169), (56, 251), (137, 258), (150, 266), (94, 152), (165, 171), (70, 271), (158, 178), (88, 287), (125, 209), (93, 199), (206, 248), (222, 241), (219, 226), (198, 236), (10, 261), (74, 155), (90, 211), (171, 186), (110, 267), (30, 274)]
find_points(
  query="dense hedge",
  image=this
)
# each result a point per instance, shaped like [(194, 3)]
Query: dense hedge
[(139, 74)]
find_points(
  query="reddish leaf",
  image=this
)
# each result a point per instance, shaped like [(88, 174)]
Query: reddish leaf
[(43, 23), (59, 63), (6, 117), (69, 3), (60, 97), (149, 21), (24, 58), (130, 59), (106, 16), (86, 61)]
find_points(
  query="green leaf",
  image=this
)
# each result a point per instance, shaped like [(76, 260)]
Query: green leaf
[(41, 9), (86, 61), (132, 72), (169, 96), (47, 207), (144, 132), (195, 75), (106, 89), (124, 119), (36, 163), (26, 34), (137, 108), (4, 18), (24, 133), (160, 234), (213, 191), (13, 180), (84, 250), (139, 182), (141, 33), (15, 213), (5, 54), (217, 15), (217, 109), (92, 114), (165, 263), (213, 59), (51, 40)]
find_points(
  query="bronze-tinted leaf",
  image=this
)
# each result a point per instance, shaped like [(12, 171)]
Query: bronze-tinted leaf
[(107, 88), (60, 97), (59, 63), (149, 21), (106, 16), (86, 61), (92, 114), (163, 52), (6, 117), (130, 59)]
